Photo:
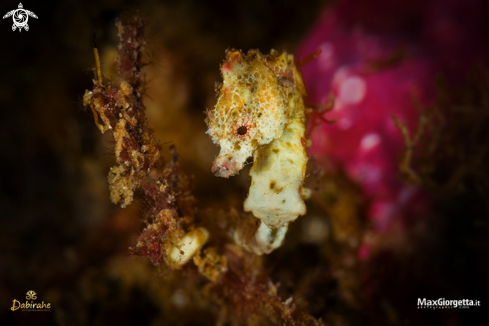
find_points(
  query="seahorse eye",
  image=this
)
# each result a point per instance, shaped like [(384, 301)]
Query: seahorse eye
[(242, 130)]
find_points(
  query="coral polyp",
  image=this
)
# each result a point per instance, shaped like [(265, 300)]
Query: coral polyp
[(260, 112)]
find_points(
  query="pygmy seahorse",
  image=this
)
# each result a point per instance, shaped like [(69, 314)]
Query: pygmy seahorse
[(260, 112)]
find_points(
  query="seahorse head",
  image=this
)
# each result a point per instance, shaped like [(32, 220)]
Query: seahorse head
[(251, 110)]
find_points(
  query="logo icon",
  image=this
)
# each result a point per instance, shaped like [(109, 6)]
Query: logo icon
[(443, 303), (30, 305), (31, 295), (20, 17)]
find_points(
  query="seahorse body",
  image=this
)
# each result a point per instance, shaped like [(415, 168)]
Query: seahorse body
[(260, 112)]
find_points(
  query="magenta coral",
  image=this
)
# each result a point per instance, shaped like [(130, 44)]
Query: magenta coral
[(376, 69)]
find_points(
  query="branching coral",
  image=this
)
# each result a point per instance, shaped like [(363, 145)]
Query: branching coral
[(117, 105), (260, 112)]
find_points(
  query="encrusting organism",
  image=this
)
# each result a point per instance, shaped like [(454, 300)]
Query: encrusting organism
[(260, 112), (117, 105)]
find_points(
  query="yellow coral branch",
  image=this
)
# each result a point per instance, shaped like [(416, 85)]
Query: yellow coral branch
[(97, 65)]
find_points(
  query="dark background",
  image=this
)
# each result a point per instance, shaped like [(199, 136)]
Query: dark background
[(61, 237)]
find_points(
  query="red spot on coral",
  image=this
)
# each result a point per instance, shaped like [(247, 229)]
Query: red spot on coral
[(225, 68), (236, 57)]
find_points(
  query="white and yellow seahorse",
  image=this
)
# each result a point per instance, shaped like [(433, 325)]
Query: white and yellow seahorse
[(260, 112)]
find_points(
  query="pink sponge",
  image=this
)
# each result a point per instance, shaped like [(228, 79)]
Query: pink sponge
[(377, 56)]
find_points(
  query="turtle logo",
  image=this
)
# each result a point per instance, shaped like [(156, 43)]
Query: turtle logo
[(20, 17)]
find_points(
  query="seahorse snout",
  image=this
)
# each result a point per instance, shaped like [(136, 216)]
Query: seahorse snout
[(224, 168)]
